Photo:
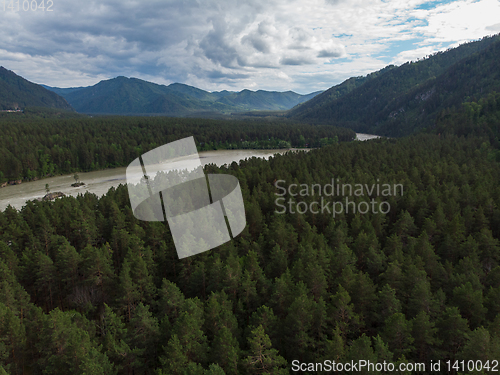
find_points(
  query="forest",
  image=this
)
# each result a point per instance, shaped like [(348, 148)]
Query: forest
[(479, 118), (86, 288), (76, 144)]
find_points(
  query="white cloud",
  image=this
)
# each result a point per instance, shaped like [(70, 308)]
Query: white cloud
[(460, 21)]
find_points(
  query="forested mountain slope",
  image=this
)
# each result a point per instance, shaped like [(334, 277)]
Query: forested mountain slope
[(478, 118), (401, 100), (16, 92), (265, 100)]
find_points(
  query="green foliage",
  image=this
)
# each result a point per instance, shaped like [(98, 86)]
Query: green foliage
[(66, 347), (262, 358), (479, 118), (87, 288)]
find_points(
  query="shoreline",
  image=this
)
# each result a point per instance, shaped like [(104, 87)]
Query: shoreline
[(100, 181), (200, 153)]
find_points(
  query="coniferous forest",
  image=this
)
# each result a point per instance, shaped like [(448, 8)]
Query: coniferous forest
[(86, 288), (66, 145)]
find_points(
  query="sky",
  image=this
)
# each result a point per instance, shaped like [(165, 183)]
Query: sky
[(276, 45)]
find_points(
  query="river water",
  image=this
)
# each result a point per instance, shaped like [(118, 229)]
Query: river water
[(365, 137), (99, 182)]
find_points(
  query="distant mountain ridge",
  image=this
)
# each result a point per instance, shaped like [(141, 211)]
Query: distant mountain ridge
[(133, 96), (17, 92), (397, 101)]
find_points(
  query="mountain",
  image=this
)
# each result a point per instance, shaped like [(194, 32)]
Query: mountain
[(17, 92), (133, 96), (191, 91), (265, 100), (62, 91), (123, 95), (397, 101)]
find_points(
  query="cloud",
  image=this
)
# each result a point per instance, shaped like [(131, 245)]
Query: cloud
[(217, 74), (332, 51), (295, 61), (217, 47), (224, 44), (326, 53), (257, 42), (494, 28)]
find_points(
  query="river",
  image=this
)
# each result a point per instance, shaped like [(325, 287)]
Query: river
[(365, 137), (99, 182)]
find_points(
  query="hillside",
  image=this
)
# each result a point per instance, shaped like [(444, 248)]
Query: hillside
[(129, 96), (477, 118), (16, 92), (397, 101), (62, 91), (265, 100)]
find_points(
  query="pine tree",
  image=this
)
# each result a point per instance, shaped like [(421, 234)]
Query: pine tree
[(341, 312), (12, 340), (171, 300), (334, 347), (397, 333), (478, 348), (420, 298), (388, 303), (262, 358), (425, 335), (188, 342), (298, 325), (65, 347), (175, 359), (129, 294), (142, 337), (97, 271), (67, 263), (96, 363), (219, 314), (470, 303), (381, 350), (225, 351), (214, 369), (45, 280), (361, 349), (453, 330), (113, 337)]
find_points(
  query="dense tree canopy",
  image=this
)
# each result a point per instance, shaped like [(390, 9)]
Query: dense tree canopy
[(88, 289)]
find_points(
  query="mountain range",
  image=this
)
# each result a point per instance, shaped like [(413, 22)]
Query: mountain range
[(133, 96), (394, 101)]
